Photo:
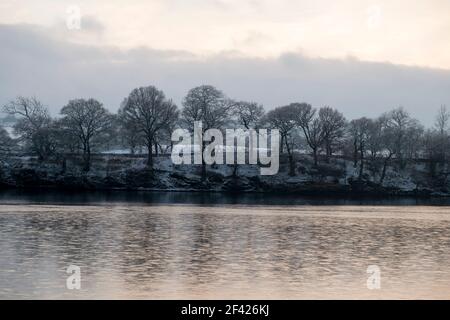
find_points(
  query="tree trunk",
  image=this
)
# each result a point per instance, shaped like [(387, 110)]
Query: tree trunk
[(328, 152), (316, 161), (355, 154), (291, 165), (150, 155), (87, 162), (203, 171), (40, 152), (385, 164), (291, 159), (402, 161), (432, 168), (87, 157), (64, 164), (203, 164), (361, 168)]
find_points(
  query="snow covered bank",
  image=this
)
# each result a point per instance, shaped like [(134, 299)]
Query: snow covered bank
[(130, 172)]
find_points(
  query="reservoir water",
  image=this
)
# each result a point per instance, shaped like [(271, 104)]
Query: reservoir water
[(194, 246)]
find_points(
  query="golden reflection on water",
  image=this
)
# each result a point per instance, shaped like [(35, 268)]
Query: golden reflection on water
[(222, 252)]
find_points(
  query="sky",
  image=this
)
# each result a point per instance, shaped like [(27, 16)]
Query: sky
[(363, 57)]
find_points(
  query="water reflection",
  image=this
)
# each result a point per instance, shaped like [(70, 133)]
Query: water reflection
[(180, 251)]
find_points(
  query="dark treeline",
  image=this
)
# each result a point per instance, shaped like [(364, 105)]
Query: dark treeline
[(146, 119)]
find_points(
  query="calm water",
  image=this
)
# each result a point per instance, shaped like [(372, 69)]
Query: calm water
[(160, 246)]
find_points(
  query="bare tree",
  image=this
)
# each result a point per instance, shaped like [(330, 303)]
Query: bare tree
[(400, 123), (249, 114), (6, 142), (440, 140), (208, 105), (333, 125), (148, 109), (130, 134), (305, 118), (390, 147), (33, 125), (65, 142), (412, 146), (359, 130), (283, 119), (164, 136), (435, 150), (86, 120), (375, 138), (443, 120)]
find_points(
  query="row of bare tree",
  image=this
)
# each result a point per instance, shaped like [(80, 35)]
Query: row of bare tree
[(146, 119)]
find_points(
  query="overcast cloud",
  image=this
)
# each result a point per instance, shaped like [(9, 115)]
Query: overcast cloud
[(33, 61)]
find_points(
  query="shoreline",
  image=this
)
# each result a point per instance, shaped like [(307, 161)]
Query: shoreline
[(379, 194)]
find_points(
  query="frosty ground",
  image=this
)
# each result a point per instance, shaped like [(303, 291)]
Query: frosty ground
[(126, 172)]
